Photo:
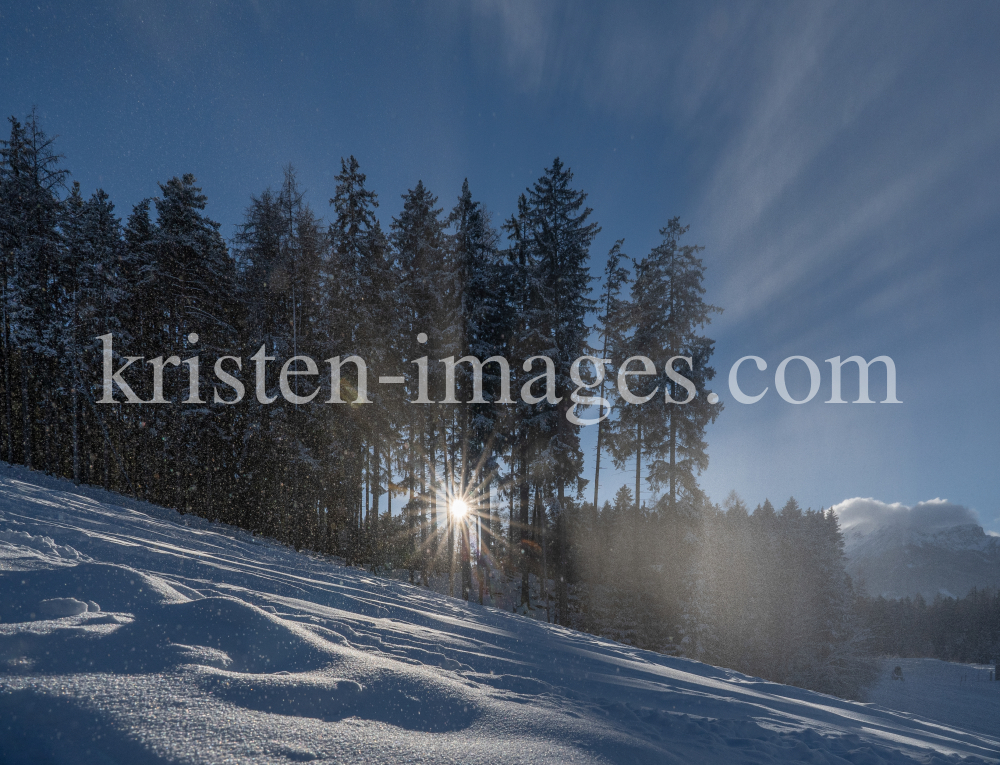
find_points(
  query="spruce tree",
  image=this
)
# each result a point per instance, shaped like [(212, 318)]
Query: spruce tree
[(192, 278), (559, 238), (524, 342), (484, 321), (670, 310), (361, 320), (92, 290), (141, 314), (613, 309), (418, 235), (32, 180), (280, 248)]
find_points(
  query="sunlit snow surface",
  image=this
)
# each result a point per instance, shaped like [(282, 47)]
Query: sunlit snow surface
[(131, 634)]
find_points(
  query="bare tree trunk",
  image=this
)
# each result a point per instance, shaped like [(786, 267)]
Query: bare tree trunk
[(465, 553), (178, 484), (25, 413), (465, 473), (451, 558), (410, 507), (367, 516), (424, 537), (432, 543), (57, 445), (449, 485), (562, 603), (75, 403), (106, 459), (8, 405), (673, 464), (510, 490), (388, 477), (48, 407), (433, 483), (539, 534), (600, 433), (525, 489), (209, 509), (638, 463), (376, 479)]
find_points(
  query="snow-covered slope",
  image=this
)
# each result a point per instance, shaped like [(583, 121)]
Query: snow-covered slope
[(896, 560), (957, 694), (131, 634)]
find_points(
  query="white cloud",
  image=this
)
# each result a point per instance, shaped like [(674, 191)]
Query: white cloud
[(867, 514)]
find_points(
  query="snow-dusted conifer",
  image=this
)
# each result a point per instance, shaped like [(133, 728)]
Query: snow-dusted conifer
[(32, 180), (559, 236)]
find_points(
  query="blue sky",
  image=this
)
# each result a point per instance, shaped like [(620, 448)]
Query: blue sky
[(839, 162)]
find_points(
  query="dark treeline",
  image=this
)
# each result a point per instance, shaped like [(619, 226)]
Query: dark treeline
[(660, 567), (954, 629), (765, 593), (777, 601)]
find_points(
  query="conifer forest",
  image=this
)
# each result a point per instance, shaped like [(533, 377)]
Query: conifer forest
[(376, 479)]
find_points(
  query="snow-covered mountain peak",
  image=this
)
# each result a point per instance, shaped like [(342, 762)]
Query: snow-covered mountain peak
[(933, 548)]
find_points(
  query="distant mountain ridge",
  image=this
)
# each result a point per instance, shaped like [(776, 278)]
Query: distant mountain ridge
[(897, 560)]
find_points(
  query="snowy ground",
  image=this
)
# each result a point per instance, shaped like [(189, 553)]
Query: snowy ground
[(955, 694), (131, 634)]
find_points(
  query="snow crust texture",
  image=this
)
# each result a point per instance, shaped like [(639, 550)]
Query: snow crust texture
[(132, 634)]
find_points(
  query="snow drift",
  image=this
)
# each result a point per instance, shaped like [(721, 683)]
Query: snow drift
[(129, 633)]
